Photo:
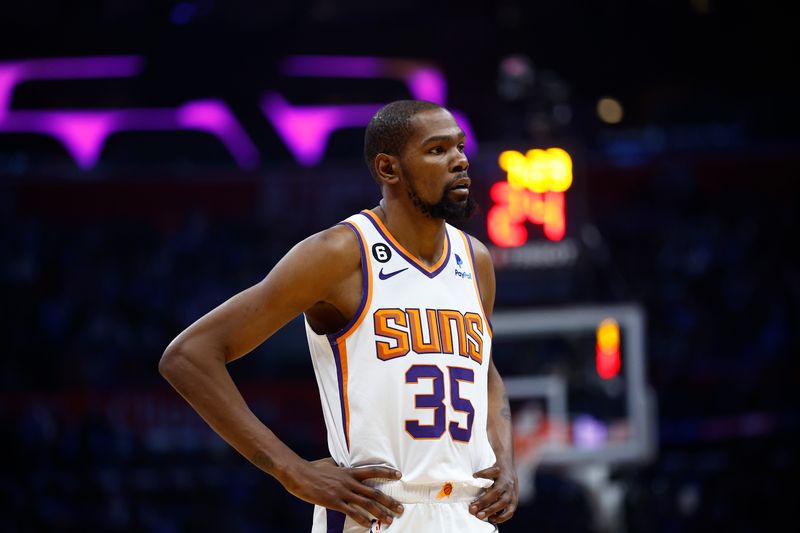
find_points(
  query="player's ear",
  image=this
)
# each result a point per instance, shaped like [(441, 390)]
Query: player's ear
[(387, 166)]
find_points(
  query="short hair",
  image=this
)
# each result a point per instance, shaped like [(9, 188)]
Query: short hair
[(390, 128)]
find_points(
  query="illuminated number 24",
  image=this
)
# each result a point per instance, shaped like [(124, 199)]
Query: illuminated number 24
[(435, 401)]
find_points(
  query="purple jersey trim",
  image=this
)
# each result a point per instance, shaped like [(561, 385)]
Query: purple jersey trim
[(337, 357), (332, 337), (477, 279), (411, 261), (335, 521)]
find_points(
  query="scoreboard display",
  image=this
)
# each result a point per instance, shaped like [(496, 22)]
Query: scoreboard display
[(534, 208), (533, 192)]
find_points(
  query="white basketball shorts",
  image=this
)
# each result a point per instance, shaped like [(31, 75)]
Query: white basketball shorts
[(433, 509)]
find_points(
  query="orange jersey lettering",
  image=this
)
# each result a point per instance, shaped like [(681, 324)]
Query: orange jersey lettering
[(386, 350)]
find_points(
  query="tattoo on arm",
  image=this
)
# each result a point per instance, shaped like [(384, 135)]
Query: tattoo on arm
[(505, 409), (261, 460)]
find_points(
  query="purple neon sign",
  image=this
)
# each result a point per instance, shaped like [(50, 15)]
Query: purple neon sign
[(425, 81), (83, 133), (15, 72), (304, 129)]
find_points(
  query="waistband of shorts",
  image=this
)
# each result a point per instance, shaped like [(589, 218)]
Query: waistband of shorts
[(444, 492)]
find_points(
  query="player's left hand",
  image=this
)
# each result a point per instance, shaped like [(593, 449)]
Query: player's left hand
[(499, 501)]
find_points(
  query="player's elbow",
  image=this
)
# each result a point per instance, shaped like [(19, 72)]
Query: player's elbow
[(173, 358), (188, 357)]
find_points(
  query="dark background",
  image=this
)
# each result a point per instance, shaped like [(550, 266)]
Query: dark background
[(694, 195)]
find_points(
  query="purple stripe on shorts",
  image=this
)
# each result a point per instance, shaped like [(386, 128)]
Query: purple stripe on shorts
[(335, 521)]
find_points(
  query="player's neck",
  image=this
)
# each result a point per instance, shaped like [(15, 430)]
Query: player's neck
[(418, 233)]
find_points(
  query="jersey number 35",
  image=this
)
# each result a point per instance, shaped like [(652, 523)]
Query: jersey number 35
[(436, 400)]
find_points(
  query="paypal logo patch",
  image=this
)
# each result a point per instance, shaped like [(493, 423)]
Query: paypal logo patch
[(459, 265)]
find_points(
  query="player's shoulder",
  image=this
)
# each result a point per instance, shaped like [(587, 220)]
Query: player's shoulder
[(483, 257), (335, 245), (485, 272)]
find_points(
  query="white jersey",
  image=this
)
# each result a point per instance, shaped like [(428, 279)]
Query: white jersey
[(404, 384)]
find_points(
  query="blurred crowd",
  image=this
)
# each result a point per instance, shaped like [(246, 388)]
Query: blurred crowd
[(99, 442)]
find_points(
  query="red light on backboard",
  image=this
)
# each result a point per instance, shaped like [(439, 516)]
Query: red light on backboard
[(607, 358)]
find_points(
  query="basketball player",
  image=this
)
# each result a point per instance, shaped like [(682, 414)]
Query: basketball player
[(397, 306)]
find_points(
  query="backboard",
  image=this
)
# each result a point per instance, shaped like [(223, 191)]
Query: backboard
[(578, 392)]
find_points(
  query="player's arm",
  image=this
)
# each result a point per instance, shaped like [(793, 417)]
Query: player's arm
[(499, 502), (195, 365)]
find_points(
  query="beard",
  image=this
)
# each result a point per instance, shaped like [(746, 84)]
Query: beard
[(446, 208)]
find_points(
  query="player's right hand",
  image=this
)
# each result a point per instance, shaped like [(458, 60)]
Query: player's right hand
[(342, 489)]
